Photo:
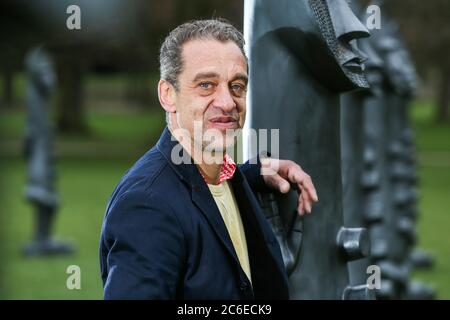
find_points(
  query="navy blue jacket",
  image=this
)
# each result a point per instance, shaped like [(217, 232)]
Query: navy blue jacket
[(163, 236)]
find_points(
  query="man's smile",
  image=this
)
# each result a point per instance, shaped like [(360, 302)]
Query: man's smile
[(224, 122)]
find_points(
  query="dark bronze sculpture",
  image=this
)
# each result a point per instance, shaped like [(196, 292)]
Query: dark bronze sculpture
[(40, 189), (303, 55), (403, 196), (389, 177), (352, 155)]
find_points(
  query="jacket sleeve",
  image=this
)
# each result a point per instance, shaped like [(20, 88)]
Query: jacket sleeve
[(252, 172), (145, 248)]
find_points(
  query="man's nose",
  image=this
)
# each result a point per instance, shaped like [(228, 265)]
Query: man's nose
[(224, 100), (345, 23)]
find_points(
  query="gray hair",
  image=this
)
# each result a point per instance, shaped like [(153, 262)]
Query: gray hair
[(170, 61)]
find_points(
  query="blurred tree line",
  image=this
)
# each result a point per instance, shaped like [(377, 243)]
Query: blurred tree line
[(426, 28), (124, 37), (115, 37)]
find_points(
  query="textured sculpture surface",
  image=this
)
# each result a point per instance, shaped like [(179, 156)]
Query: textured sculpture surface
[(389, 178), (40, 189), (303, 55)]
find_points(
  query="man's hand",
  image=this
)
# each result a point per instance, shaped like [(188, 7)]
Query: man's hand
[(282, 174)]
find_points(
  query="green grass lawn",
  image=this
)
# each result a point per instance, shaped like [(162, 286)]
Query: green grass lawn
[(89, 168), (85, 187), (433, 142)]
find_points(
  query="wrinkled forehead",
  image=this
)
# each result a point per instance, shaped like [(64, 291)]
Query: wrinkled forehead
[(209, 54)]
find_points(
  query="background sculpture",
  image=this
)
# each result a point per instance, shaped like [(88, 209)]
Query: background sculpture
[(303, 55), (390, 177), (353, 168), (40, 189)]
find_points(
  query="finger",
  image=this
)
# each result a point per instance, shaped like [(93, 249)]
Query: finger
[(281, 184), (284, 186), (270, 166), (308, 206), (300, 207), (303, 198), (307, 201), (267, 170), (307, 185), (298, 176)]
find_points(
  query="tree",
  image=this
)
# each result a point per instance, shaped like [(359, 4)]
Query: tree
[(69, 96), (426, 27)]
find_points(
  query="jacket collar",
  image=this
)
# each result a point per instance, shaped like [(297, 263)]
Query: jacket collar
[(187, 171)]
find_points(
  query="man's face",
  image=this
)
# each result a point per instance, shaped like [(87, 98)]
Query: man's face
[(212, 91)]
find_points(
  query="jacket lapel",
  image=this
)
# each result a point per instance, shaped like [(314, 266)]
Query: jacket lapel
[(200, 194), (268, 272)]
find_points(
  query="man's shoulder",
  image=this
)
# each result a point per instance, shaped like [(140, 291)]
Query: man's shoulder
[(151, 174)]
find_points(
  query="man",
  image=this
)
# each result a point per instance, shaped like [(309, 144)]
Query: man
[(192, 229)]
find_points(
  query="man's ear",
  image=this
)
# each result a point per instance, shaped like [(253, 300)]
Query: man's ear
[(166, 95)]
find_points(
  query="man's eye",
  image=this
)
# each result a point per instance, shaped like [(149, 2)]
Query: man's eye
[(237, 88), (205, 85)]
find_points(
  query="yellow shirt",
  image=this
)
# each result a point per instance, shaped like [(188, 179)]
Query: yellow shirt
[(224, 197)]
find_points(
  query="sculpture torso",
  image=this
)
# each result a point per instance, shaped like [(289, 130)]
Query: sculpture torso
[(38, 139), (295, 86)]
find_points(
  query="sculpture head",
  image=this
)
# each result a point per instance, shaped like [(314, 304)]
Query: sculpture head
[(373, 67), (340, 29), (322, 34), (399, 70), (41, 69)]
